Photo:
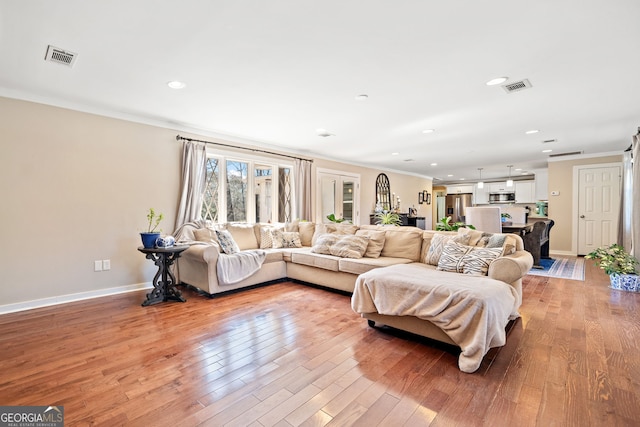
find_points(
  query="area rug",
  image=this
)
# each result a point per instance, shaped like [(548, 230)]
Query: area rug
[(561, 268)]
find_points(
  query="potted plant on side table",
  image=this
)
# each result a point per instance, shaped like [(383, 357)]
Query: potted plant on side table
[(150, 236), (619, 265)]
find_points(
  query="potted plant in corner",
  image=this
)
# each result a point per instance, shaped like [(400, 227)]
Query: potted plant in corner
[(619, 265), (150, 236)]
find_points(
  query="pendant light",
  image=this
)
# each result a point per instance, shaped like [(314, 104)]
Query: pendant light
[(480, 183), (509, 181)]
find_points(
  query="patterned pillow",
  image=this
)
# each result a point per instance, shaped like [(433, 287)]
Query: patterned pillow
[(467, 259), (228, 245), (437, 243), (286, 239), (323, 243), (266, 237), (349, 246)]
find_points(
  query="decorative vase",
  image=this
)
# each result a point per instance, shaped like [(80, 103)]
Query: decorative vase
[(149, 239), (165, 242), (625, 282)]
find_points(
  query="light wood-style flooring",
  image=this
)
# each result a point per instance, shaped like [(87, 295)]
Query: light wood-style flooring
[(288, 355)]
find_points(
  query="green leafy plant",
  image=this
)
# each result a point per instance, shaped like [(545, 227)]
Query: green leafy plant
[(614, 260), (445, 224), (332, 218), (154, 220), (505, 215), (388, 218)]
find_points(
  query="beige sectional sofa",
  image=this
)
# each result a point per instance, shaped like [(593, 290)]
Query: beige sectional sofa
[(386, 246), (402, 245)]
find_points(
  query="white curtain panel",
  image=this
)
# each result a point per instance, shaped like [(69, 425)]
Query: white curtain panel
[(626, 202), (302, 187), (194, 164), (635, 211)]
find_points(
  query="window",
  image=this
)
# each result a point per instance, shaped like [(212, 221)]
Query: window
[(244, 190), (237, 191), (210, 199), (284, 195)]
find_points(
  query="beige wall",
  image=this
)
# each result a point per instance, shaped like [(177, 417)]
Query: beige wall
[(404, 186), (76, 187), (561, 206)]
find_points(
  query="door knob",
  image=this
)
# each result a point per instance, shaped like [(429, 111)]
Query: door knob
[(581, 216)]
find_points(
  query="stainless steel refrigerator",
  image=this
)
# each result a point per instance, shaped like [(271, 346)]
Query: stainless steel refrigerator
[(456, 204)]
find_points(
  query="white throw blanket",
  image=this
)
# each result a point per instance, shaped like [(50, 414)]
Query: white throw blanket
[(472, 311), (236, 267)]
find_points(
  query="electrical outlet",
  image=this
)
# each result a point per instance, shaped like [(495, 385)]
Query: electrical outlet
[(106, 264), (97, 265)]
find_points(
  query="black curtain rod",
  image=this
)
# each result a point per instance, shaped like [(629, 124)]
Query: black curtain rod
[(183, 138)]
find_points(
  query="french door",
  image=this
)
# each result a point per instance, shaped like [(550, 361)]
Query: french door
[(339, 194)]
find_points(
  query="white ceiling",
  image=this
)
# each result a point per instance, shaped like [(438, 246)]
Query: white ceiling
[(272, 72)]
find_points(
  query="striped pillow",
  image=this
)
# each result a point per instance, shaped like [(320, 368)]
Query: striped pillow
[(349, 246), (467, 259)]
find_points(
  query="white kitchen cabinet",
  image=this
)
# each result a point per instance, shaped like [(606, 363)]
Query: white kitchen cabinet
[(525, 191), (458, 189), (481, 195), (496, 187)]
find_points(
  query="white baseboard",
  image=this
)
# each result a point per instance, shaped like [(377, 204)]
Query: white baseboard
[(565, 253), (62, 299)]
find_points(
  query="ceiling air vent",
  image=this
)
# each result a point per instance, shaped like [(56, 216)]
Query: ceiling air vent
[(60, 56), (572, 153), (516, 86), (548, 141)]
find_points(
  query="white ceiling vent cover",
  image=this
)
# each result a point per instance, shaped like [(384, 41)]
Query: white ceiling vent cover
[(60, 56), (517, 86)]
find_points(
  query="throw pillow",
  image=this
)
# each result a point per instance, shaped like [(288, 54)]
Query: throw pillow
[(464, 259), (206, 235), (349, 246), (286, 239), (228, 245), (376, 242), (266, 236), (437, 244), (323, 243), (474, 235), (306, 230)]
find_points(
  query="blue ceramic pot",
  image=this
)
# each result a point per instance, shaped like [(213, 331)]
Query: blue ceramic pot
[(149, 239)]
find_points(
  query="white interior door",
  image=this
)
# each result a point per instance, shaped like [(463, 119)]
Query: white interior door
[(338, 195), (598, 207)]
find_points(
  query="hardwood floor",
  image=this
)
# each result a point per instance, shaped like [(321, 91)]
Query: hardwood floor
[(288, 355)]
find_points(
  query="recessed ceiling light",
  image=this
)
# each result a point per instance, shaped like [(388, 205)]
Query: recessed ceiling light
[(517, 169), (434, 164), (461, 179), (428, 131), (362, 97), (497, 81), (394, 154), (547, 151), (175, 84), (449, 175), (532, 131), (323, 132)]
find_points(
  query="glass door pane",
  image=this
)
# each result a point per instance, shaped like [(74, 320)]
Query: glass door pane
[(237, 179), (263, 193)]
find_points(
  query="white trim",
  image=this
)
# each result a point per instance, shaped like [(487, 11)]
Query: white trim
[(567, 253), (63, 299)]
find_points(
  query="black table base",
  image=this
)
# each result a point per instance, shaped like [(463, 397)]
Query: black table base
[(164, 282)]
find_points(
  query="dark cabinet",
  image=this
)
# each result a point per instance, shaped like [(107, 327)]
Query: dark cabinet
[(406, 220)]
